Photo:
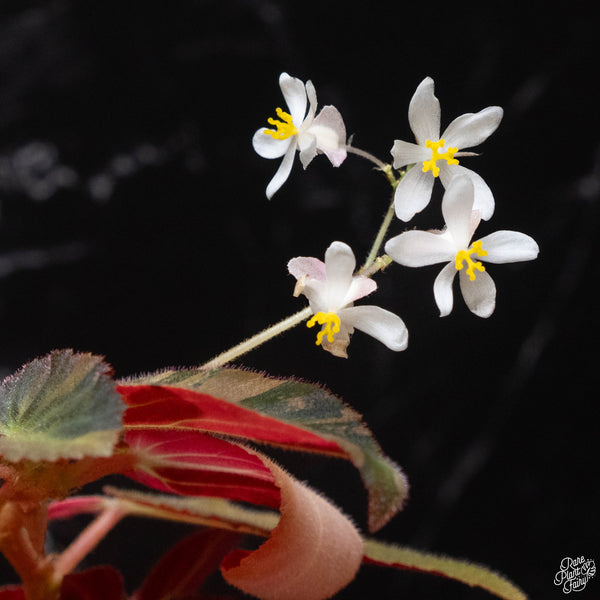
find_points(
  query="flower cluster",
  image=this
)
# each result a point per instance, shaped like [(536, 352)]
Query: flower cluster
[(332, 287)]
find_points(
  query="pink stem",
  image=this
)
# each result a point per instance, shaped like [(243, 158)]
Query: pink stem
[(87, 540)]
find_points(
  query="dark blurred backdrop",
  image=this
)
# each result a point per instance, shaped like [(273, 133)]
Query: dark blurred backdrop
[(134, 225)]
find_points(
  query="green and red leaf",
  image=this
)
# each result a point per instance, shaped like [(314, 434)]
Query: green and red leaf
[(252, 406)]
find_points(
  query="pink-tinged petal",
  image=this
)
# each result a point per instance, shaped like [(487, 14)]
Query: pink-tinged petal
[(294, 93), (407, 153), (283, 172), (509, 246), (307, 266), (267, 146), (480, 294), (413, 193), (424, 113), (330, 131), (420, 248), (472, 129), (483, 200), (312, 553), (359, 288), (339, 267), (442, 289), (379, 323), (457, 208)]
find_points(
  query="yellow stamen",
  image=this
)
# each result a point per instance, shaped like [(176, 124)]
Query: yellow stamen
[(285, 128), (332, 325), (465, 255), (448, 156)]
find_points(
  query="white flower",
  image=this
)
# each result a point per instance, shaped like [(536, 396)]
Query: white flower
[(331, 288), (453, 244), (434, 156), (299, 130)]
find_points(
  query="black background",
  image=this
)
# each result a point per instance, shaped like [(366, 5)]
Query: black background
[(134, 225)]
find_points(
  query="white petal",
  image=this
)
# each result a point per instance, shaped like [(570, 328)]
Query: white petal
[(307, 266), (457, 206), (283, 172), (472, 129), (420, 248), (307, 144), (267, 146), (509, 246), (381, 324), (407, 153), (480, 294), (483, 198), (316, 291), (294, 93), (312, 102), (442, 289), (424, 113), (413, 193), (339, 267)]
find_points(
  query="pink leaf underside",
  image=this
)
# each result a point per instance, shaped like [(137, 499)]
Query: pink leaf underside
[(181, 572), (193, 463), (312, 553), (179, 408)]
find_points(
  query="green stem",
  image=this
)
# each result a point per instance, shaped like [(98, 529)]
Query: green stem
[(258, 339), (389, 215)]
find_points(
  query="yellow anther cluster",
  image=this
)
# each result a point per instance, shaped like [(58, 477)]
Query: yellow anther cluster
[(285, 128), (465, 256), (448, 156), (332, 325)]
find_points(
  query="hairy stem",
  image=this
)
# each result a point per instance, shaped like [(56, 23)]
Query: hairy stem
[(258, 339)]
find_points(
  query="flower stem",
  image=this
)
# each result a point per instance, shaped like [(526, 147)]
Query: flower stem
[(258, 339), (378, 163), (379, 238)]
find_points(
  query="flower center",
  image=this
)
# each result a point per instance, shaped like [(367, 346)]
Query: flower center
[(285, 128), (465, 256), (332, 325), (448, 156)]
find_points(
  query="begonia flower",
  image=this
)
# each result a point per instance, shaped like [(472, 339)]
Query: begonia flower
[(435, 156), (300, 130), (331, 288), (453, 245)]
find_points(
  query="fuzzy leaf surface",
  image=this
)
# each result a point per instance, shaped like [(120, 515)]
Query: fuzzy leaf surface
[(253, 406), (63, 405), (472, 574)]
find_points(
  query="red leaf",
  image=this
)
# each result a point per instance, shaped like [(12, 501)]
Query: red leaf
[(181, 571), (12, 592), (196, 464), (98, 583), (160, 406)]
